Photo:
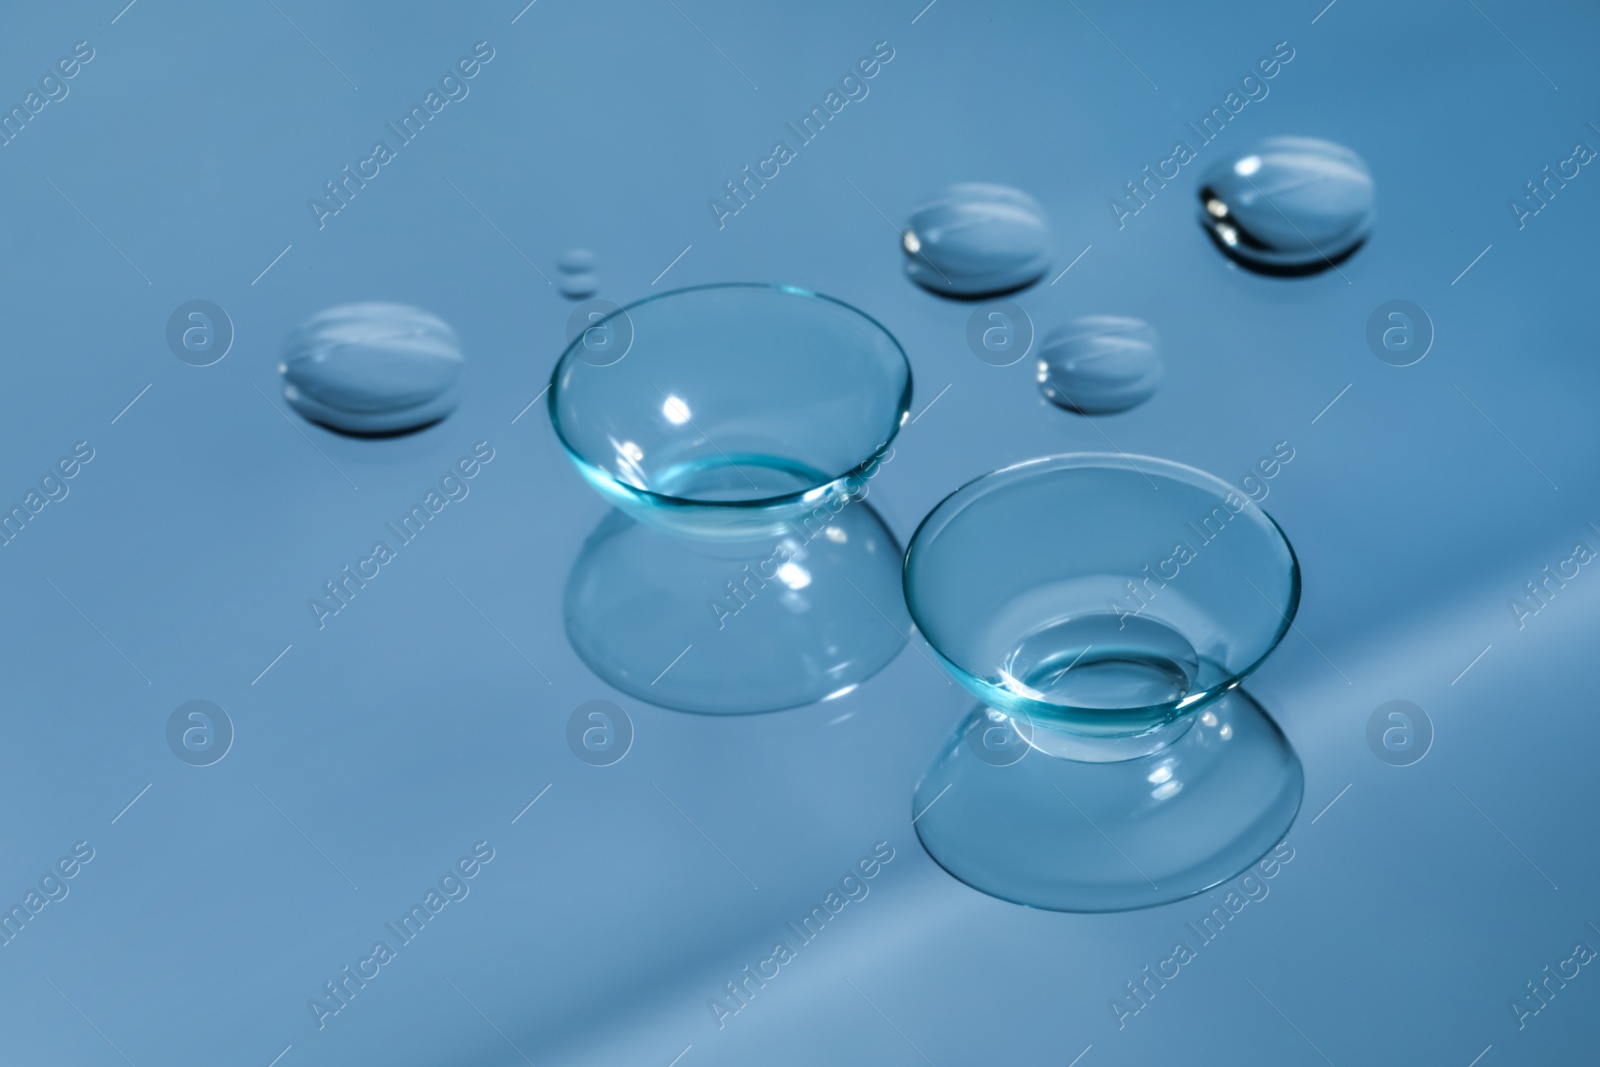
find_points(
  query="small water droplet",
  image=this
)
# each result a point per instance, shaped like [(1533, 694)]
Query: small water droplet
[(1290, 205), (977, 239), (576, 261), (580, 286), (578, 278), (1100, 364), (373, 368)]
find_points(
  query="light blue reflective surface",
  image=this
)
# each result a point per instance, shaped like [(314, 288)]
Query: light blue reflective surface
[(414, 725), (1053, 824)]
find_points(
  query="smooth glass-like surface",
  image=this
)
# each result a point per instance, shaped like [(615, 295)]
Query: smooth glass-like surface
[(408, 728), (1289, 205), (735, 408), (1004, 815), (373, 368), (1102, 594), (1100, 364), (977, 239), (732, 628)]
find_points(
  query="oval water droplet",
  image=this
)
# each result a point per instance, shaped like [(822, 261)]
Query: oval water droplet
[(1100, 364), (1291, 205), (977, 239), (373, 368), (576, 261)]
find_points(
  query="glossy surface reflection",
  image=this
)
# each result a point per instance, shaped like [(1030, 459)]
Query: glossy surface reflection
[(732, 628), (1003, 814)]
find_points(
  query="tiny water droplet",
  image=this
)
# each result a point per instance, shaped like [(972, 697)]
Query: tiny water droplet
[(580, 286), (578, 278), (576, 261), (1100, 364), (977, 239), (373, 368), (1290, 205)]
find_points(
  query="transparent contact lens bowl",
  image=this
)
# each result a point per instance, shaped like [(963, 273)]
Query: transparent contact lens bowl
[(1098, 594), (728, 411), (1104, 608)]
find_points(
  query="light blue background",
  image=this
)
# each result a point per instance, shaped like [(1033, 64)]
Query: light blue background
[(408, 729)]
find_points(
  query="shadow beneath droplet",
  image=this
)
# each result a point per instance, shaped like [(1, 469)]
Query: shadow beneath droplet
[(977, 298), (376, 435), (1268, 270)]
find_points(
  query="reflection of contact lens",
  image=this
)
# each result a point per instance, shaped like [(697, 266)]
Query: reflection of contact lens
[(729, 628), (1072, 835), (998, 739)]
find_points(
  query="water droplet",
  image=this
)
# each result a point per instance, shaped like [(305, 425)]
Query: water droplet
[(578, 278), (977, 239), (373, 368), (580, 286), (1290, 205), (576, 261), (1100, 364)]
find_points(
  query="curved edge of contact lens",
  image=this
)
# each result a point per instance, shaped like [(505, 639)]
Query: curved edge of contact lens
[(1054, 713), (663, 500)]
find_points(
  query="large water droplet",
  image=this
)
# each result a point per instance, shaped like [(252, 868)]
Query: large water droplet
[(373, 368), (977, 239), (1100, 364), (1291, 205)]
